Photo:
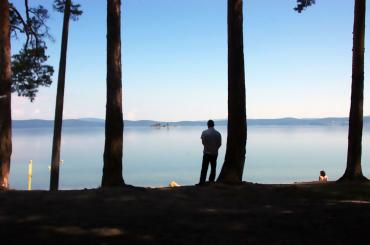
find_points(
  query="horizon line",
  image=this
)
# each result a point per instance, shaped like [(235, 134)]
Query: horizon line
[(192, 120)]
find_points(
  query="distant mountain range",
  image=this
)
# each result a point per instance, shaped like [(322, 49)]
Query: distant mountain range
[(96, 122)]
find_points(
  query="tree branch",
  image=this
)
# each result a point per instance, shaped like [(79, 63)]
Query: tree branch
[(25, 26), (29, 25)]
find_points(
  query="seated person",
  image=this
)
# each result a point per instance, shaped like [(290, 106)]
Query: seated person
[(323, 177)]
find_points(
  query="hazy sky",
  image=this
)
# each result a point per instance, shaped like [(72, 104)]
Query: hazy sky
[(174, 55)]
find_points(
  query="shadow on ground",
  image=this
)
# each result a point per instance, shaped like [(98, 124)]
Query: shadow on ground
[(214, 214)]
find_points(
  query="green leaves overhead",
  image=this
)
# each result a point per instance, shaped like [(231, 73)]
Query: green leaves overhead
[(33, 26), (59, 6), (30, 72), (302, 4)]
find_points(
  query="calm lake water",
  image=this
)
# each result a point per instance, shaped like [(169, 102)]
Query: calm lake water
[(154, 157)]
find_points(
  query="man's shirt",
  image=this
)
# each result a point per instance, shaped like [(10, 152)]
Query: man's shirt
[(211, 139)]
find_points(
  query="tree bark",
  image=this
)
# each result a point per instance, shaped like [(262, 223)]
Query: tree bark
[(112, 170), (5, 95), (353, 169), (58, 119), (232, 169)]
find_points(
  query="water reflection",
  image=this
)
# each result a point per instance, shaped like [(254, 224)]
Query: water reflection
[(154, 157)]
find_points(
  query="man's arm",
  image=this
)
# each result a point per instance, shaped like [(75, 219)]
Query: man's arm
[(219, 140)]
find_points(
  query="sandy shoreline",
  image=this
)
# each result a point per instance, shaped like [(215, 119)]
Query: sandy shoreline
[(215, 214)]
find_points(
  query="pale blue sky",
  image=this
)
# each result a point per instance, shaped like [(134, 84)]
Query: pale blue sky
[(174, 55)]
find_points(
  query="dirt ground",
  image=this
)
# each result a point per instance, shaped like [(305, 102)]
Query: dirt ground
[(213, 214)]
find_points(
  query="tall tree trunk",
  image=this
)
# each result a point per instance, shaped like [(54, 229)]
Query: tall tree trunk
[(58, 119), (5, 95), (112, 170), (232, 169), (353, 169)]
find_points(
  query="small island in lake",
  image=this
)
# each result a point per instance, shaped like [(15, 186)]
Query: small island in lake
[(161, 125)]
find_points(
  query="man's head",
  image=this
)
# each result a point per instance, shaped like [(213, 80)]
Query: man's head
[(210, 123)]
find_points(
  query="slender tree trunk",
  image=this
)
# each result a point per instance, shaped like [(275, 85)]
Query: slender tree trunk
[(232, 169), (58, 119), (353, 170), (112, 170), (5, 95)]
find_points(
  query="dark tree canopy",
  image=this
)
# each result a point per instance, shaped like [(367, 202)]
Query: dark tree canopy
[(302, 4), (33, 26), (75, 11), (29, 70)]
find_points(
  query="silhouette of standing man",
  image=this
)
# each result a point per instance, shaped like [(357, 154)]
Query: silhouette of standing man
[(211, 140)]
